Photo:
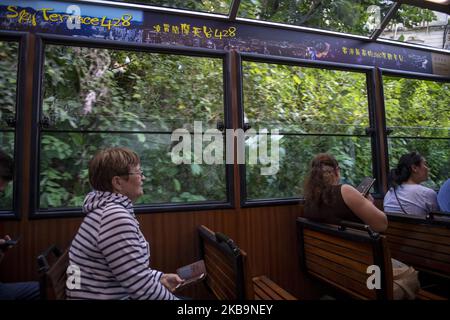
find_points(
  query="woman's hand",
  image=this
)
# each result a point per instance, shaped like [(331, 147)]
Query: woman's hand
[(2, 251), (2, 241), (171, 280)]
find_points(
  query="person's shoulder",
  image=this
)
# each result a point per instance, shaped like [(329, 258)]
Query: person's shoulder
[(349, 192), (427, 192), (348, 188), (116, 210), (445, 186), (415, 187)]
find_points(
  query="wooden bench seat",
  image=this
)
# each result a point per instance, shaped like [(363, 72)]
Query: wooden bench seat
[(227, 272), (426, 295), (266, 289), (53, 277), (340, 256), (420, 242)]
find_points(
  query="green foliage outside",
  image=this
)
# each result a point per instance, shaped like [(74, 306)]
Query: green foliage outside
[(411, 16), (8, 84), (96, 98), (418, 111), (306, 103), (97, 91), (213, 6), (346, 16)]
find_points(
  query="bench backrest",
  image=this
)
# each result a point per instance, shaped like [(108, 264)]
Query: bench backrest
[(420, 242), (226, 266), (340, 257), (53, 278)]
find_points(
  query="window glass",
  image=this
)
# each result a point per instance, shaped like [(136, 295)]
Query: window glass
[(347, 16), (8, 83), (418, 113), (96, 98), (314, 110), (419, 26), (212, 6)]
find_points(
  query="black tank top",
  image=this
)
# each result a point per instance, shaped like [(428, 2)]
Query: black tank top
[(331, 213)]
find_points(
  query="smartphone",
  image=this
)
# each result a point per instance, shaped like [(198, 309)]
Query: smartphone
[(365, 185), (9, 243), (191, 273)]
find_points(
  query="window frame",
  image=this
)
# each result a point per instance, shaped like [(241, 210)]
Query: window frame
[(21, 38), (371, 131), (406, 75), (44, 39)]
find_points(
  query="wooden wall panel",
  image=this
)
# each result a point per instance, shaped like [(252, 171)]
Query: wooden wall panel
[(267, 234)]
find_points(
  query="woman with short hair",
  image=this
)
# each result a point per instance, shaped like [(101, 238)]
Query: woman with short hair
[(109, 249), (406, 194)]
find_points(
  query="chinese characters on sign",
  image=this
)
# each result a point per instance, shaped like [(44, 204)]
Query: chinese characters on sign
[(196, 31), (372, 54)]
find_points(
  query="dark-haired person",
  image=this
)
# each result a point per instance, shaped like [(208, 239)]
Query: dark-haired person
[(406, 194), (109, 248), (15, 290), (328, 201)]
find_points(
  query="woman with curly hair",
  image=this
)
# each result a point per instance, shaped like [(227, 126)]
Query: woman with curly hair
[(328, 201)]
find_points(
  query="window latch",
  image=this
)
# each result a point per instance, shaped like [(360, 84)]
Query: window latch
[(220, 126), (11, 121), (389, 131), (369, 131), (247, 126), (45, 122)]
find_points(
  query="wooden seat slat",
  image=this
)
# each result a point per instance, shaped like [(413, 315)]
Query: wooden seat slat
[(422, 243), (427, 228), (357, 275), (418, 244), (273, 290), (340, 250), (342, 260), (358, 247)]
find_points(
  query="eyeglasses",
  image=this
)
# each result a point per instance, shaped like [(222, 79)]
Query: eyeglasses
[(140, 172)]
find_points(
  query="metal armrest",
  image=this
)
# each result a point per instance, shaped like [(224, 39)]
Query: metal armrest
[(343, 224), (42, 259)]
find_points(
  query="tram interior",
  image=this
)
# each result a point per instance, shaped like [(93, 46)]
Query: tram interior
[(226, 103)]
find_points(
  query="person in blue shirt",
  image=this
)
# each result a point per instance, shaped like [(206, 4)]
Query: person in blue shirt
[(444, 196)]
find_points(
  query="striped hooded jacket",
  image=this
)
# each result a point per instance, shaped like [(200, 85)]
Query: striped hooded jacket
[(112, 254)]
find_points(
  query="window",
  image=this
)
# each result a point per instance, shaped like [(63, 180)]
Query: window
[(354, 17), (314, 110), (9, 52), (417, 112), (212, 6), (419, 26), (95, 98)]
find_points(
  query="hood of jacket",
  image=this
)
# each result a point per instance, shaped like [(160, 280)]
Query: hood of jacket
[(99, 199)]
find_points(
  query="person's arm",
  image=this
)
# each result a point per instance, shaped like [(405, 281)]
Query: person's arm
[(2, 254), (431, 202), (364, 208), (2, 251), (119, 241)]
